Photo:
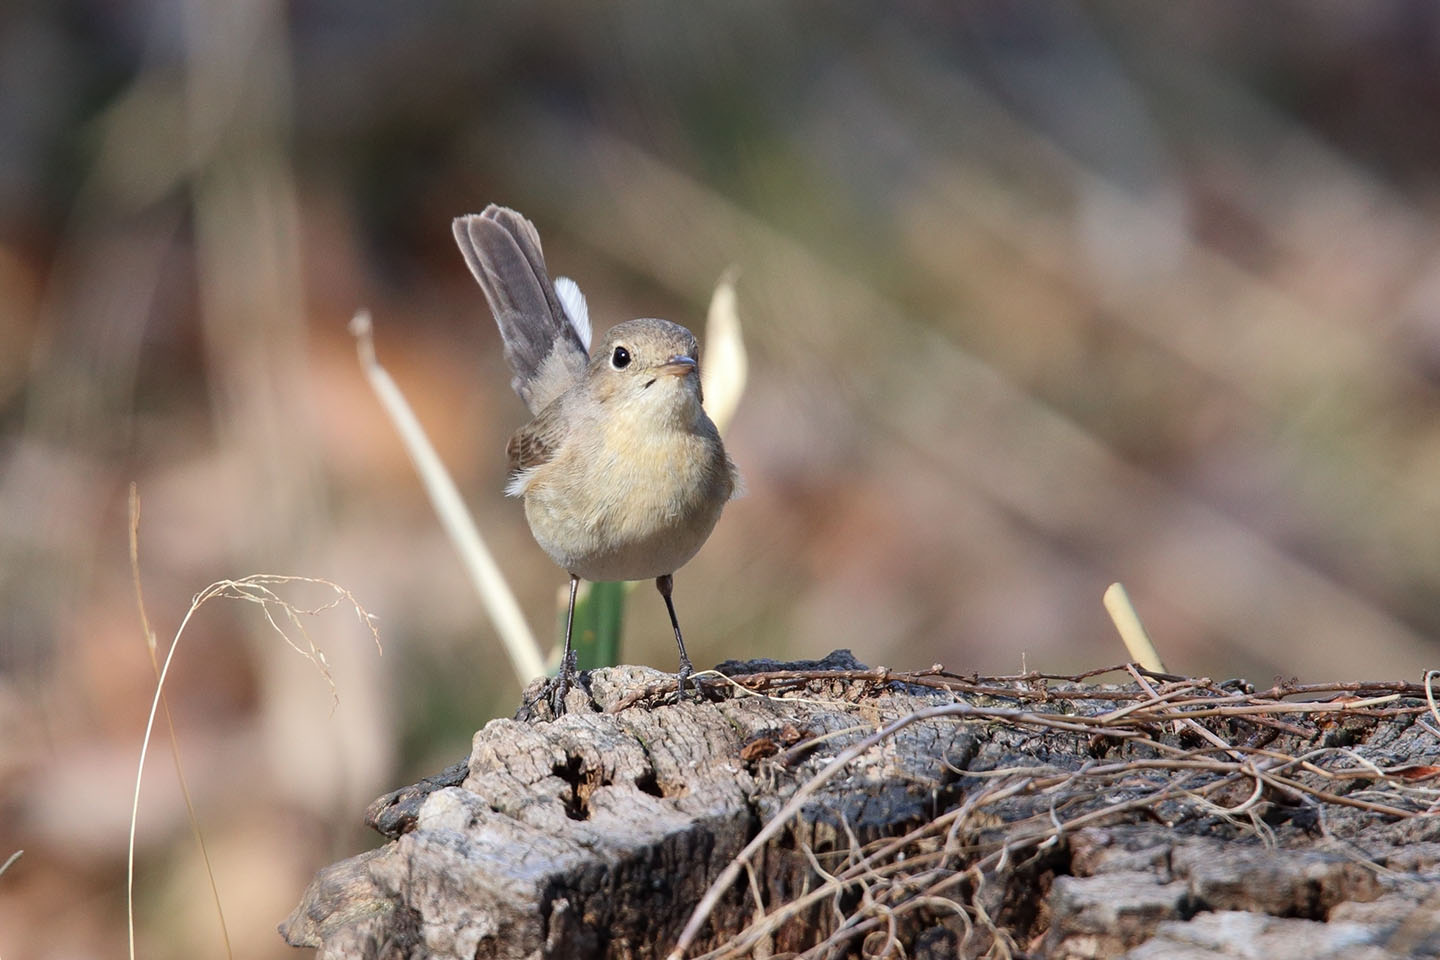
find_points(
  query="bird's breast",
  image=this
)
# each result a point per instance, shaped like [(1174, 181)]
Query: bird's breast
[(628, 506)]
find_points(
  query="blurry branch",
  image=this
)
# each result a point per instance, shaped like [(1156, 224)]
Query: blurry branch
[(170, 722), (256, 588), (10, 860), (485, 574), (1430, 697), (1132, 631), (723, 374)]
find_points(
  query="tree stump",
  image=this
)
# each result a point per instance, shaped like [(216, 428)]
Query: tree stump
[(949, 816)]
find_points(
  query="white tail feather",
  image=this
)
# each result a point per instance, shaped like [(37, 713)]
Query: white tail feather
[(575, 309)]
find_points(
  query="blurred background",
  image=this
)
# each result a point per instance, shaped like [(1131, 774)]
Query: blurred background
[(1037, 297)]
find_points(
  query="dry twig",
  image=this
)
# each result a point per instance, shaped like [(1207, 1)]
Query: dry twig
[(938, 871)]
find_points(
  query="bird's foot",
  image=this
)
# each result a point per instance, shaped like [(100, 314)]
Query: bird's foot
[(685, 670), (551, 692), (564, 680)]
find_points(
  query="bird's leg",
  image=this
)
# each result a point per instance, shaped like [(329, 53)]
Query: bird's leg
[(567, 660), (665, 585)]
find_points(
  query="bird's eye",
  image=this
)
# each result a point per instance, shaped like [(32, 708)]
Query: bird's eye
[(620, 359)]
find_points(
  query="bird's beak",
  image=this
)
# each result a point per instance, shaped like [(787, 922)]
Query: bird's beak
[(678, 365)]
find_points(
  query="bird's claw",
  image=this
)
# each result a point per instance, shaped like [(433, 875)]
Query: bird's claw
[(564, 680), (680, 679)]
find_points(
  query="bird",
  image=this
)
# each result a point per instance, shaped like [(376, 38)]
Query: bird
[(622, 473)]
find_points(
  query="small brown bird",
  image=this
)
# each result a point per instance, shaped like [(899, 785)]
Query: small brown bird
[(622, 473)]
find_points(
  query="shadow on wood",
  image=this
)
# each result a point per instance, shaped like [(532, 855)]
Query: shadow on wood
[(1014, 816)]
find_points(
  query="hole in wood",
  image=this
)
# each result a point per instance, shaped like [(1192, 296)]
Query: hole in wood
[(577, 805), (646, 783)]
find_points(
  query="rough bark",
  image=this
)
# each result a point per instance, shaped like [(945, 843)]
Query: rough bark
[(1035, 821)]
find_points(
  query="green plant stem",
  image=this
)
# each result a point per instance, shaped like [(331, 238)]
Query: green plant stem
[(598, 618)]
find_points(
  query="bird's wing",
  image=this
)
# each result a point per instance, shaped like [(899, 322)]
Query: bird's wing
[(535, 443), (543, 349)]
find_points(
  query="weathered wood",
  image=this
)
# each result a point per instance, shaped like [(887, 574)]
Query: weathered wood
[(595, 835)]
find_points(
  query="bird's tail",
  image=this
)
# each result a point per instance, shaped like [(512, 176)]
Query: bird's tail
[(543, 348)]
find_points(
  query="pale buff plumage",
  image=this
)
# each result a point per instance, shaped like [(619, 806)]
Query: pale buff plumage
[(624, 475)]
